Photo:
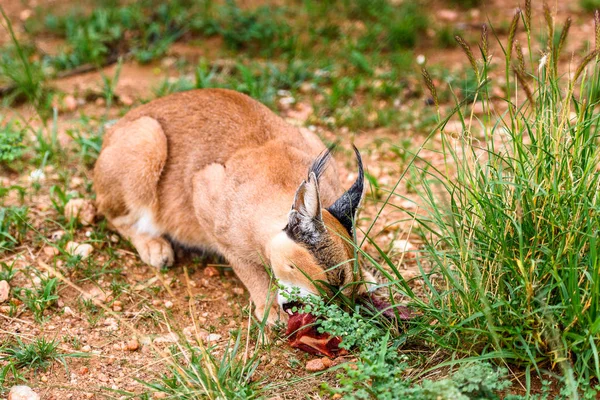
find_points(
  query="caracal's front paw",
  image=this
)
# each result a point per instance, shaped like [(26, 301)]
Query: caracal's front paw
[(276, 314), (157, 252)]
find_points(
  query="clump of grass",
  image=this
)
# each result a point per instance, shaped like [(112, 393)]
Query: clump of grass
[(39, 298), (11, 142), (13, 226), (589, 5), (16, 355), (26, 78), (196, 372), (512, 225), (259, 29)]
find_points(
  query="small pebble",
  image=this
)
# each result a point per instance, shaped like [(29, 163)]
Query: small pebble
[(4, 291), (168, 304), (211, 271), (132, 345), (84, 250), (51, 251), (315, 365), (84, 370), (213, 337), (70, 103), (82, 210), (22, 393), (87, 348)]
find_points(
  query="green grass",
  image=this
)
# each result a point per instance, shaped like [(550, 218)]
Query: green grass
[(11, 142), (38, 355), (510, 227), (197, 372), (13, 226), (589, 5), (26, 77), (40, 298)]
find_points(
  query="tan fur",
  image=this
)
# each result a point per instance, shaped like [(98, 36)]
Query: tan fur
[(211, 169)]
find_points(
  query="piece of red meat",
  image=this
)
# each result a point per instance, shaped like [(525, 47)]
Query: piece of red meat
[(303, 335), (404, 313)]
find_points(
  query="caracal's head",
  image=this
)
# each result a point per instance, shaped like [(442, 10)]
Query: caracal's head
[(314, 253)]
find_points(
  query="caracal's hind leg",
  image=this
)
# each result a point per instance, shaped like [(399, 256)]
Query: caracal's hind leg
[(126, 177)]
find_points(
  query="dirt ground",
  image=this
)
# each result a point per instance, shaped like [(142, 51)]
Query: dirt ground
[(126, 340)]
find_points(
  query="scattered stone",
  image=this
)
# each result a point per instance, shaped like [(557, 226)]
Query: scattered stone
[(126, 100), (96, 294), (160, 395), (447, 15), (68, 311), (117, 306), (57, 235), (82, 210), (336, 396), (306, 87), (4, 291), (102, 377), (156, 302), (213, 337), (168, 338), (168, 304), (87, 348), (114, 238), (70, 103), (404, 246), (84, 370), (51, 251), (238, 290), (315, 365), (22, 393), (132, 345), (211, 271), (25, 14), (478, 108), (84, 250), (44, 378)]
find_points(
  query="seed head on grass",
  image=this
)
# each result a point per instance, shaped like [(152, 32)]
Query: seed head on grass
[(586, 60), (430, 86), (597, 28), (512, 31), (484, 42), (528, 15), (467, 49), (549, 25), (520, 58), (523, 82)]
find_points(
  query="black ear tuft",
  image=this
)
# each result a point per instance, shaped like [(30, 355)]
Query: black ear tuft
[(344, 208), (320, 164)]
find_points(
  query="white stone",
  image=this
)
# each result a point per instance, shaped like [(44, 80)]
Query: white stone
[(82, 210), (4, 291), (22, 393), (84, 250)]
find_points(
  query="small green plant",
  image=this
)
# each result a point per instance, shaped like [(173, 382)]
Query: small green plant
[(38, 355), (590, 5), (13, 226), (7, 271), (258, 29), (195, 372), (39, 299), (11, 142), (26, 77)]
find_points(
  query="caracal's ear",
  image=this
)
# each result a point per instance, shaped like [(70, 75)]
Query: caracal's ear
[(345, 208), (307, 203), (305, 222)]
